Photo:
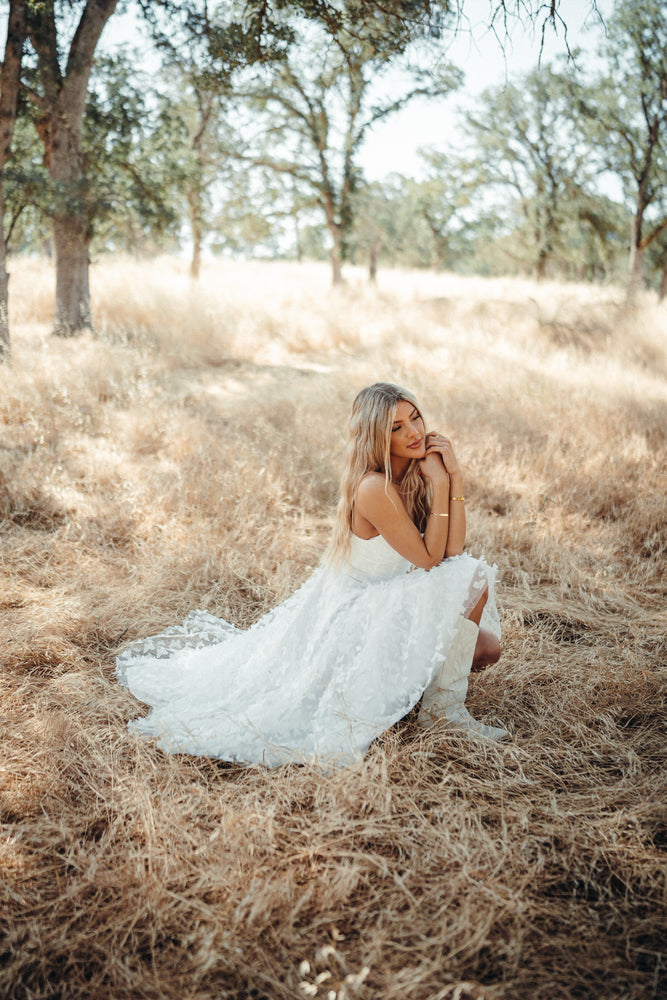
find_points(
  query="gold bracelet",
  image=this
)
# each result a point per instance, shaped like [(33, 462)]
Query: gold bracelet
[(435, 514), (457, 498)]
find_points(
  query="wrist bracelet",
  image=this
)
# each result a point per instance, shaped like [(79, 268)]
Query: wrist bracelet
[(457, 498), (435, 514)]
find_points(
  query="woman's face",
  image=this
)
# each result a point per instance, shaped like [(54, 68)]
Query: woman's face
[(408, 437)]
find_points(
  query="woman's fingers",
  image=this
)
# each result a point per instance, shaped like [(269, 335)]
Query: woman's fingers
[(438, 444), (437, 441)]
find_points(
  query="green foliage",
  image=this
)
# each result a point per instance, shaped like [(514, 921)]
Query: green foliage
[(251, 211), (624, 111), (397, 219), (25, 186), (306, 116), (130, 167), (529, 144), (258, 117), (438, 222), (525, 198)]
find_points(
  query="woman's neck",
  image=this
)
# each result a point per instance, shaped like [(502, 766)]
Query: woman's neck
[(399, 466)]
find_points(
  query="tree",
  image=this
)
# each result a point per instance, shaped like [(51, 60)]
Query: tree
[(242, 33), (128, 190), (415, 223), (661, 247), (260, 25), (445, 200), (194, 102), (131, 169), (627, 118), (527, 140), (201, 126), (209, 44), (60, 97), (9, 90), (309, 112), (25, 186)]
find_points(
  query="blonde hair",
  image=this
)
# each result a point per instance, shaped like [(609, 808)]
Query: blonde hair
[(368, 450)]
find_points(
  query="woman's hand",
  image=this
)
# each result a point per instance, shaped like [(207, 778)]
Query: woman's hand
[(440, 447), (433, 468), (438, 444)]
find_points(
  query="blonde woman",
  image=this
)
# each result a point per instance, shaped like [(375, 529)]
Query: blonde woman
[(397, 613)]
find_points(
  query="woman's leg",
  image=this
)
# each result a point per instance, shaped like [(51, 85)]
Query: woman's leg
[(487, 647), (445, 695)]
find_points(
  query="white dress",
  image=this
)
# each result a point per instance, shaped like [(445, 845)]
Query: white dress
[(319, 676)]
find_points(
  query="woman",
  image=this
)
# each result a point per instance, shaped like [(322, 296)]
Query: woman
[(392, 616)]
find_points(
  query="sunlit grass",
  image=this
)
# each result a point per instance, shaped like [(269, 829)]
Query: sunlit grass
[(187, 455)]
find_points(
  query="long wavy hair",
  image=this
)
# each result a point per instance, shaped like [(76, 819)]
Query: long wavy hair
[(368, 450)]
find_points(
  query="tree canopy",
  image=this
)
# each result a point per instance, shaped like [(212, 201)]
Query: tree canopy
[(252, 127)]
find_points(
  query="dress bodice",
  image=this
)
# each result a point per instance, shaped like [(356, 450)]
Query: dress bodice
[(374, 559)]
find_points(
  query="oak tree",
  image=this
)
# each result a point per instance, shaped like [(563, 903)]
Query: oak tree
[(9, 91), (59, 93), (308, 113), (627, 120)]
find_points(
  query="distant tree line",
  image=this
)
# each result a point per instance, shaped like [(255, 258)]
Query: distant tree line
[(243, 135)]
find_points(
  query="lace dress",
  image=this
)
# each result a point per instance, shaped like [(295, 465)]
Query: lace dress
[(319, 676)]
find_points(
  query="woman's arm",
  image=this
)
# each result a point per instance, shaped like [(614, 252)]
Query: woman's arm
[(438, 444), (457, 516), (380, 504)]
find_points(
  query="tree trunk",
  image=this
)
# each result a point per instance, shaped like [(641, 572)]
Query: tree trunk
[(663, 283), (195, 263), (196, 228), (9, 89), (4, 283), (71, 237), (4, 294), (60, 126), (297, 239), (72, 287), (541, 264), (336, 266), (373, 262), (336, 231), (637, 245), (336, 255), (636, 262)]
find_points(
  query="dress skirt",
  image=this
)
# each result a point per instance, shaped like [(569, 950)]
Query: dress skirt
[(318, 677)]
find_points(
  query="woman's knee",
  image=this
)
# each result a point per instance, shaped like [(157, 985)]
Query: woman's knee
[(487, 650), (493, 647)]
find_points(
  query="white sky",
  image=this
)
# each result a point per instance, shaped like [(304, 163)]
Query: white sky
[(394, 144), (487, 59)]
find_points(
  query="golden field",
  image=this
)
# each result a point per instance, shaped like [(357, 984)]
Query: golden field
[(187, 455)]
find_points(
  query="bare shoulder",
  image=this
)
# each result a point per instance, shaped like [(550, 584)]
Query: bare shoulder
[(373, 490), (374, 486), (371, 483)]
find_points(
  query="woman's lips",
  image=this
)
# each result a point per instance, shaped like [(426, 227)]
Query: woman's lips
[(417, 444)]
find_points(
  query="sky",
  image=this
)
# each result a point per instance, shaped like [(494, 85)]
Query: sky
[(487, 60)]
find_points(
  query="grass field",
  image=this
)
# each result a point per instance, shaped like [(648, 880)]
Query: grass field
[(187, 455)]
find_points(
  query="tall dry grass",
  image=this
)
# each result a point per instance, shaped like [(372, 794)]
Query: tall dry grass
[(187, 455)]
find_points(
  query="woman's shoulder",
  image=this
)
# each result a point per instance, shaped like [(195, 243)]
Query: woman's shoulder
[(371, 481), (372, 484), (374, 493)]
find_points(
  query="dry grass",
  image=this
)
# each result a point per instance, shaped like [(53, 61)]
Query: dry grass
[(188, 457)]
